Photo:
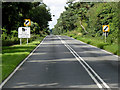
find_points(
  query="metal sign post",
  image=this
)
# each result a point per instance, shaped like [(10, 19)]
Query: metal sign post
[(20, 41), (24, 32), (27, 41), (105, 37)]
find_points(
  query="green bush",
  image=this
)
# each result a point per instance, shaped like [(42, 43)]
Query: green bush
[(88, 42), (75, 37), (70, 35), (8, 41), (101, 45), (116, 52)]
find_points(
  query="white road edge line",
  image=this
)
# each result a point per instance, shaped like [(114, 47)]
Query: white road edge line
[(97, 48), (91, 70), (79, 59), (5, 81)]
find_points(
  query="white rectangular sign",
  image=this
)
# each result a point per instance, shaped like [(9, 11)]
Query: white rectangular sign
[(24, 32)]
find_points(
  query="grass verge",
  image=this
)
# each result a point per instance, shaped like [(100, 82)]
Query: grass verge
[(113, 48), (13, 55)]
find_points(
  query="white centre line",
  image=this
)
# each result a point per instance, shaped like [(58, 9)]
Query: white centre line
[(88, 68)]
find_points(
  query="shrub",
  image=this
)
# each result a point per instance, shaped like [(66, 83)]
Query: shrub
[(15, 40), (88, 42), (75, 37), (70, 35), (100, 45), (116, 52)]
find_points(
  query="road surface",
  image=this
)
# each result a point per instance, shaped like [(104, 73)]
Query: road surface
[(63, 62)]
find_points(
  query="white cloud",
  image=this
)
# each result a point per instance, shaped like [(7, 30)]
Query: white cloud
[(56, 8)]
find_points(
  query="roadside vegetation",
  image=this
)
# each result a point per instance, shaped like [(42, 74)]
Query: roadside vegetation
[(84, 20), (13, 55), (13, 16), (98, 42)]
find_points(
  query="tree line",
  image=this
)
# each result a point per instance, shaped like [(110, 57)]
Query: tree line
[(14, 13), (87, 18)]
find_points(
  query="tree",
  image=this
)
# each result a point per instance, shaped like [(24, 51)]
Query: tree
[(14, 14), (41, 16)]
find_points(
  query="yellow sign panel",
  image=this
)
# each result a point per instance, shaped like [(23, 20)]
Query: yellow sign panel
[(27, 22), (105, 28)]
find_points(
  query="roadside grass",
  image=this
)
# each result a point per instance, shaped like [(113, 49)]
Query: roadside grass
[(112, 48), (13, 55), (98, 42)]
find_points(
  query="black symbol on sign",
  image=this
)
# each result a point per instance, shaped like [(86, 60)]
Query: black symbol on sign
[(27, 22), (23, 29), (106, 28)]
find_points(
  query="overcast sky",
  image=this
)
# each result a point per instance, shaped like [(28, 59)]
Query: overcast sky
[(56, 8)]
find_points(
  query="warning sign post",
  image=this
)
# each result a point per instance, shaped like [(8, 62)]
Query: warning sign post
[(23, 32), (105, 29)]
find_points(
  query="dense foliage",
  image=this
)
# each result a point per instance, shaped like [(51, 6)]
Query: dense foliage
[(91, 16), (13, 15)]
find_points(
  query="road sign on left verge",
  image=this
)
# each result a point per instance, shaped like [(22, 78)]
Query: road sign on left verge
[(24, 32), (27, 22)]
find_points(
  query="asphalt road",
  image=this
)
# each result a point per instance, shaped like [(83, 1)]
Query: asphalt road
[(63, 62)]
